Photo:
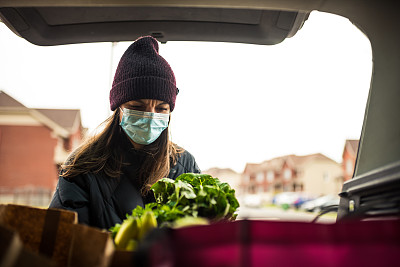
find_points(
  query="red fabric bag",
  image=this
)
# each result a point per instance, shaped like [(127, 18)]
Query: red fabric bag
[(269, 243)]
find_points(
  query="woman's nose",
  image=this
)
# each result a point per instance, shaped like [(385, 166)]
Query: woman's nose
[(150, 109)]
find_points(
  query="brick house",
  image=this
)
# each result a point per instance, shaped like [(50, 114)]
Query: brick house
[(33, 144), (349, 158), (314, 174)]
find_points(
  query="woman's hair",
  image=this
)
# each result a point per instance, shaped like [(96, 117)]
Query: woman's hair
[(103, 153)]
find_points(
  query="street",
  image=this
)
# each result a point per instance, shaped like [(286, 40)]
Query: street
[(276, 214)]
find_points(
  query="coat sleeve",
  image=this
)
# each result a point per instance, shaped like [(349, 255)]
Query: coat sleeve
[(185, 163), (71, 196)]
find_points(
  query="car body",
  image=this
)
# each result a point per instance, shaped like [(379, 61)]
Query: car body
[(291, 199), (377, 173), (318, 204), (283, 198), (252, 201)]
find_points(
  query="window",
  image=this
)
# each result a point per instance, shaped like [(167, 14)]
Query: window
[(325, 177), (287, 174), (270, 176), (260, 177)]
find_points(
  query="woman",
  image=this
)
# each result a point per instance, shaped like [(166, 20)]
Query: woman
[(111, 173)]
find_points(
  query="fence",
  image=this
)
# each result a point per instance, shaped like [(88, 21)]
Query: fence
[(27, 195)]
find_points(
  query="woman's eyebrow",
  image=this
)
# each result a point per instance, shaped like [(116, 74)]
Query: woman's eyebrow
[(133, 102)]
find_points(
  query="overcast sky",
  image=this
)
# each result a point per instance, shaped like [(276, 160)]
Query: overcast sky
[(237, 103)]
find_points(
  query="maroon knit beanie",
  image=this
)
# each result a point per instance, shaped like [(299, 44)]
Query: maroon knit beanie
[(143, 74)]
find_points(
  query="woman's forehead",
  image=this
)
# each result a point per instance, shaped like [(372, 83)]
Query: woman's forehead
[(146, 102)]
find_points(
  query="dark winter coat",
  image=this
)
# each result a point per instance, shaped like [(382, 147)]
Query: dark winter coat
[(103, 201)]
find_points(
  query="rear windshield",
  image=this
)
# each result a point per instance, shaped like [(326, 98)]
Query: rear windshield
[(267, 119)]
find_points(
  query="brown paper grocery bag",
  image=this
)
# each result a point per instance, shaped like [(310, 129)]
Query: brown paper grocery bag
[(44, 231), (13, 253), (122, 258), (90, 247)]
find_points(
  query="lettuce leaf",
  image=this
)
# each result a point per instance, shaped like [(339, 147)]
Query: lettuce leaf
[(196, 195)]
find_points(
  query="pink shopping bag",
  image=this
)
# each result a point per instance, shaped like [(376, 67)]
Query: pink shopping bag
[(269, 243)]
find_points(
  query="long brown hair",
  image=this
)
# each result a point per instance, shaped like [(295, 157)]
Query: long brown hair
[(102, 153)]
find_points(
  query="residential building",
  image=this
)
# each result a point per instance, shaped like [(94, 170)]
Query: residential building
[(349, 158), (33, 144), (313, 174)]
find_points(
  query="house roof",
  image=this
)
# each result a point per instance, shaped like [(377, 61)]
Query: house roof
[(316, 156), (215, 171), (62, 120), (351, 146), (251, 167), (276, 164), (8, 101), (66, 118)]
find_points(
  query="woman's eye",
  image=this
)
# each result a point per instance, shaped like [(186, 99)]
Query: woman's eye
[(135, 107)]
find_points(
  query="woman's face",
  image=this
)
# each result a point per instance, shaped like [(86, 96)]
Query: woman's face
[(147, 105)]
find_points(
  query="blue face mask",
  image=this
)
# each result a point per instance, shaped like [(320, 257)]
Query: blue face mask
[(143, 127)]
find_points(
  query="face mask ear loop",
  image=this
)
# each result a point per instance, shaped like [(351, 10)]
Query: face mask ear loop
[(169, 129), (119, 115)]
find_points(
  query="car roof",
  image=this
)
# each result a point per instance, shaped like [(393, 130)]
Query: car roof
[(54, 25)]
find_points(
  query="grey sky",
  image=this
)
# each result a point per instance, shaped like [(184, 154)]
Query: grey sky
[(237, 103)]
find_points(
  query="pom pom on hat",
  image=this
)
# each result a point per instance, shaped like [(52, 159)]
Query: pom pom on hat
[(143, 74)]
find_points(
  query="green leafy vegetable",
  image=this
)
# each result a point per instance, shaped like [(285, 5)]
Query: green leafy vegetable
[(188, 200), (196, 195), (114, 230)]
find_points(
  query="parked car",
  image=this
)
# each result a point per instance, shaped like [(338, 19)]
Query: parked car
[(285, 198), (252, 201), (291, 199), (318, 204)]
